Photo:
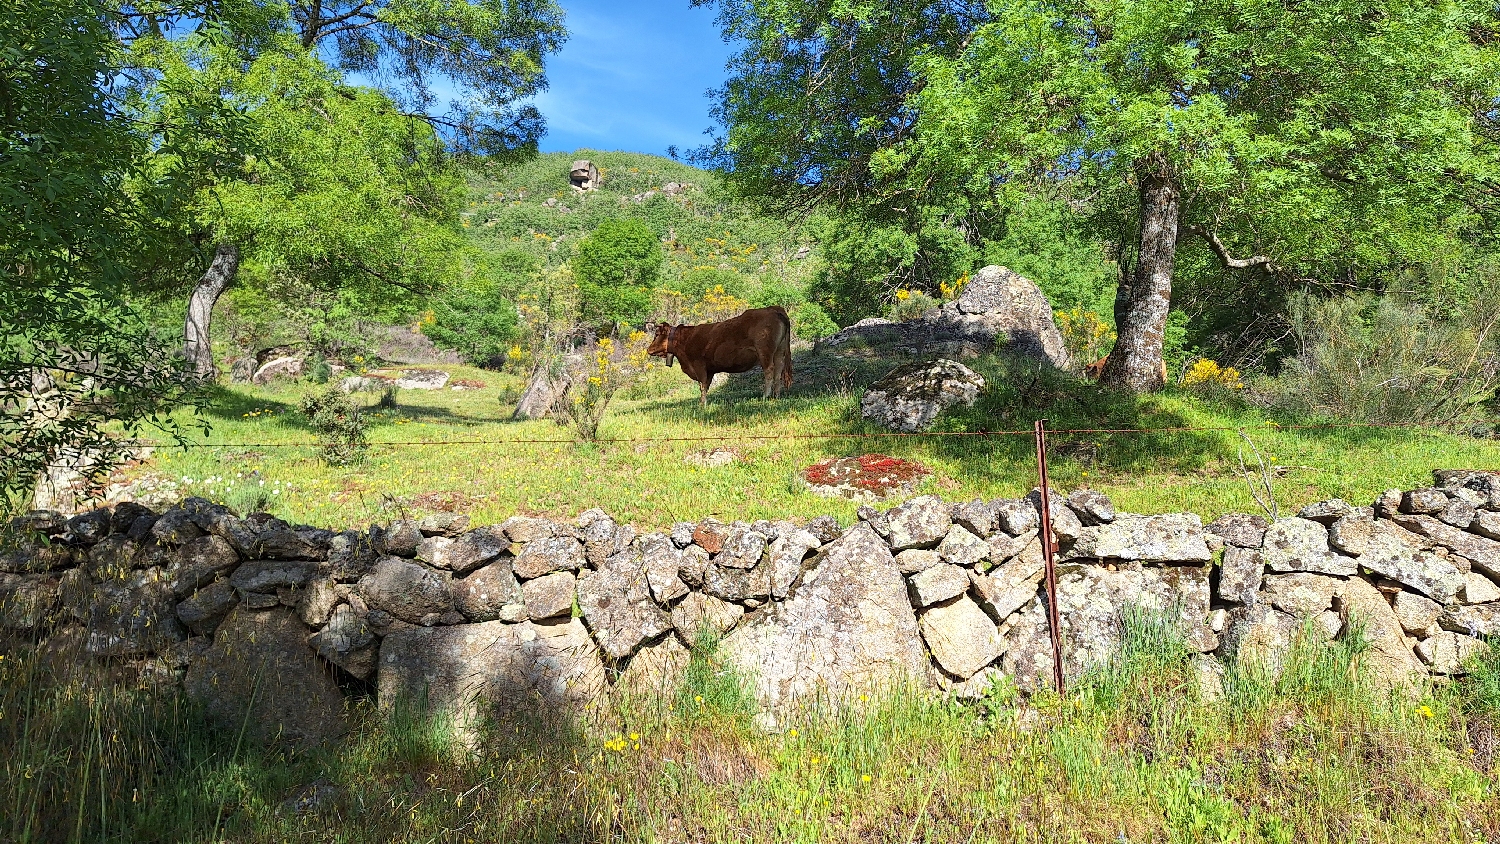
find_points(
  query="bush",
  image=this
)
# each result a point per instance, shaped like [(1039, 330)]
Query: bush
[(811, 322), (589, 398), (1377, 359), (480, 326), (911, 305), (616, 267), (337, 421), (1086, 335)]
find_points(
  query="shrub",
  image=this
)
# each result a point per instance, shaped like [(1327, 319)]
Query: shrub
[(1208, 378), (911, 305), (1086, 336), (1378, 359), (811, 322), (482, 326), (337, 421), (589, 397), (616, 268)]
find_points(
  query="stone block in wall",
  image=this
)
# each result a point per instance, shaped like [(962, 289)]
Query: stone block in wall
[(1417, 614), (922, 522), (962, 548), (348, 642), (491, 670), (546, 555), (1391, 555), (352, 554), (849, 626), (785, 557), (1486, 524), (1240, 575), (527, 529), (401, 538), (1260, 637), (913, 560), (464, 554), (699, 612), (1007, 588), (87, 528), (825, 528), (977, 517), (741, 549), (1389, 659), (1004, 548), (267, 575), (738, 585), (491, 593), (1016, 516), (132, 618), (937, 584), (617, 604), (692, 566), (291, 545), (1447, 653), (961, 637), (1091, 506), (261, 673), (207, 607), (1066, 526), (1479, 589), (1472, 619), (1483, 553), (28, 601), (659, 560), (1244, 530), (1326, 512), (316, 602), (1298, 544), (443, 524), (1427, 501), (1459, 513), (1301, 594), (1175, 538), (115, 556), (710, 535), (407, 590)]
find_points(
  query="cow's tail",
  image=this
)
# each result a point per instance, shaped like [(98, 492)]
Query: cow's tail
[(786, 347)]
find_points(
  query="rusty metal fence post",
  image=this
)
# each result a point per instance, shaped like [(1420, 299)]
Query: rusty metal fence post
[(1049, 552)]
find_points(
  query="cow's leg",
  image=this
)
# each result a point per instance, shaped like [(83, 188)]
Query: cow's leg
[(770, 377), (703, 392)]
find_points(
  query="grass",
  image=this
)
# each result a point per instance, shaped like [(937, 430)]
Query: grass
[(260, 444), (1134, 752)]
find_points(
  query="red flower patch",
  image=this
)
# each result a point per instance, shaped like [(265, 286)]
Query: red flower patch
[(874, 473)]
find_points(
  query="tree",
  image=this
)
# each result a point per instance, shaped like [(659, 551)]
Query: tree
[(73, 356), (1288, 140), (616, 267)]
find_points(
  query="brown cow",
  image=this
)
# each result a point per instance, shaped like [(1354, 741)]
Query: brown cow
[(759, 337)]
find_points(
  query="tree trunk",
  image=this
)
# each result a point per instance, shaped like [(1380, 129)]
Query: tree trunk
[(201, 308), (1142, 301)]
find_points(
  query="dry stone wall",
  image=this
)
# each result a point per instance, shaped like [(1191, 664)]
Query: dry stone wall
[(254, 614)]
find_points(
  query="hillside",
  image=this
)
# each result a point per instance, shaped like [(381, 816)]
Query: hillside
[(531, 208)]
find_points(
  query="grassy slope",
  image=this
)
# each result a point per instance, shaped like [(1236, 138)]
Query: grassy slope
[(508, 211), (650, 482)]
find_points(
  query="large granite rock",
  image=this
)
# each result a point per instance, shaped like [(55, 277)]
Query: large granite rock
[(1240, 575), (656, 669), (848, 626), (549, 596), (132, 618), (617, 604), (698, 615), (261, 674), (1245, 530), (28, 601), (1387, 553), (1260, 638), (938, 583), (1008, 587), (1300, 594), (911, 396), (1483, 553), (1175, 538), (464, 554), (1389, 660), (785, 559), (491, 671)]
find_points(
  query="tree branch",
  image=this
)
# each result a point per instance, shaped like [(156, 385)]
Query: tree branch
[(1229, 260)]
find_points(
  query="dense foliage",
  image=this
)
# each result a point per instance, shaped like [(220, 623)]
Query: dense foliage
[(617, 266)]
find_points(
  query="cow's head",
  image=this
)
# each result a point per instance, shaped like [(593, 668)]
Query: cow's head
[(661, 341)]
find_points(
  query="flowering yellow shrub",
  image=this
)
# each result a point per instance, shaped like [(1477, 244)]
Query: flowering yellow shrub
[(1086, 336), (608, 370), (1208, 374), (950, 291)]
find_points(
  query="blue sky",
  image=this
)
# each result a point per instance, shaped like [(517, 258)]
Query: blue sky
[(633, 76)]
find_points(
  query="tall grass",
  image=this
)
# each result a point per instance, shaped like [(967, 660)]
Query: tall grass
[(1132, 752)]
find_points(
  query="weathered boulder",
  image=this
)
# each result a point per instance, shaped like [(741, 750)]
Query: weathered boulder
[(739, 585), (277, 369), (961, 637), (1245, 530), (1092, 601), (584, 175), (938, 584), (977, 517), (401, 538), (742, 549), (478, 672), (348, 642), (1004, 547), (784, 559), (1175, 538), (848, 626), (910, 397), (659, 561), (1091, 506), (547, 555), (175, 527), (421, 379), (699, 613), (1016, 516), (922, 522), (87, 528), (1013, 307), (209, 552), (1487, 524), (1472, 620), (692, 566), (408, 591), (260, 674), (913, 560), (1298, 544), (550, 595), (617, 604)]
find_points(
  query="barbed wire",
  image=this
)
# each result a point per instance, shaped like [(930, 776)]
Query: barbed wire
[(832, 436)]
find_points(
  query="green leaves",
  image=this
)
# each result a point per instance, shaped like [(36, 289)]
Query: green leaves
[(616, 268)]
